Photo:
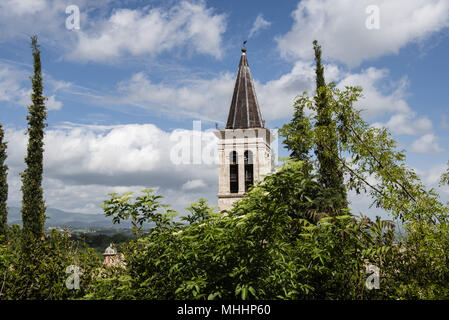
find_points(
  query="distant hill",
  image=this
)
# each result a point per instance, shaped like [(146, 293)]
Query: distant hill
[(70, 219)]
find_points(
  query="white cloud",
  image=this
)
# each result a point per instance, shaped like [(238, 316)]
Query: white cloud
[(375, 102), (187, 25), (81, 198), (431, 176), (444, 123), (15, 87), (19, 19), (406, 123), (259, 24), (206, 99), (53, 104), (340, 27), (25, 7), (378, 103), (426, 144), (12, 87), (277, 96), (82, 164), (194, 27), (143, 31), (209, 99), (193, 184)]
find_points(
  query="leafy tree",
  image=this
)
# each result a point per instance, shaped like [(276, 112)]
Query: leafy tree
[(143, 210), (199, 211), (373, 165), (46, 277), (370, 155), (3, 185), (33, 207), (259, 251), (444, 180), (294, 135)]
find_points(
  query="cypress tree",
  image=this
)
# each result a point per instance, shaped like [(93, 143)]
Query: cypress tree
[(330, 173), (33, 207), (3, 185)]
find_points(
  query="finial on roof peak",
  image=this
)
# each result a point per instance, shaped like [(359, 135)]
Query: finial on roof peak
[(244, 46)]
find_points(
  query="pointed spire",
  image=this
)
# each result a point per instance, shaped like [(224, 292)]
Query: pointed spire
[(244, 112)]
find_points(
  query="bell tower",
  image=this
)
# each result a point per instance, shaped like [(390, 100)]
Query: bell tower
[(244, 145)]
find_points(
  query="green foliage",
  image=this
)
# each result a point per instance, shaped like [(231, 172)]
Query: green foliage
[(420, 267), (199, 211), (445, 177), (370, 153), (40, 273), (3, 185), (294, 134), (289, 238), (276, 243), (143, 210), (372, 164), (33, 207)]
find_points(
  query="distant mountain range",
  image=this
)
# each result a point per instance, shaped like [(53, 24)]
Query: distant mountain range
[(69, 219)]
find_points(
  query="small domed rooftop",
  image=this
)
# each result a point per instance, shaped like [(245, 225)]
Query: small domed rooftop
[(110, 250)]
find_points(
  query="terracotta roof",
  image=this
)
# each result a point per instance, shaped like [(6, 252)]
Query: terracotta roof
[(244, 111)]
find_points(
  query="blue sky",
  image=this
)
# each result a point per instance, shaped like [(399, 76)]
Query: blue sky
[(136, 71)]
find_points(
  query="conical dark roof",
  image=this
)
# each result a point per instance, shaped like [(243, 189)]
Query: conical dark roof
[(244, 112)]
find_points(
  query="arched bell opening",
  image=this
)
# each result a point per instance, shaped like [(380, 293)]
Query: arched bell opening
[(249, 170), (233, 173)]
